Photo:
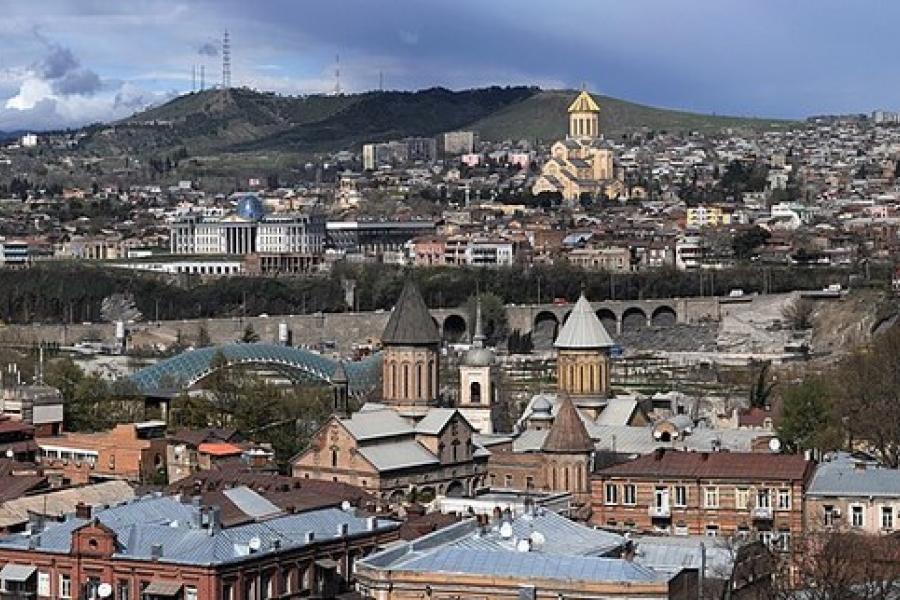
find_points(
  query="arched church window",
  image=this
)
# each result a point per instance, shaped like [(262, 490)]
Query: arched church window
[(419, 393), (405, 380), (475, 393)]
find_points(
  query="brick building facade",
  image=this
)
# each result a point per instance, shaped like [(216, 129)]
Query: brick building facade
[(746, 495)]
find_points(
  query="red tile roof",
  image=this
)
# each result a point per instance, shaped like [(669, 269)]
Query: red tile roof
[(713, 465)]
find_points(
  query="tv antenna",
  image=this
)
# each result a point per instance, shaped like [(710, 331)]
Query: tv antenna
[(337, 75), (226, 61)]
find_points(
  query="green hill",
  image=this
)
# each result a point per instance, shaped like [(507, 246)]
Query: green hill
[(543, 116), (245, 121)]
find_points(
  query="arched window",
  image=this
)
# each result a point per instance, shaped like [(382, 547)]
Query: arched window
[(580, 387), (393, 383), (553, 477), (432, 377), (591, 372), (334, 456), (475, 393), (566, 478), (419, 380), (405, 380), (571, 385), (579, 477)]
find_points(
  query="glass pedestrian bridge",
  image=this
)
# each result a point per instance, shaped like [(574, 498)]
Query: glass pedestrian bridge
[(297, 364)]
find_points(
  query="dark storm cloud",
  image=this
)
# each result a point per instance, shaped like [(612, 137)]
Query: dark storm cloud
[(79, 81), (63, 70), (57, 63)]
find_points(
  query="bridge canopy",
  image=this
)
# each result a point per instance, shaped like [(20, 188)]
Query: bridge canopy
[(298, 364)]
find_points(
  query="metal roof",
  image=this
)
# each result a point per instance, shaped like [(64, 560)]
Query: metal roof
[(189, 367), (530, 565), (435, 420), (398, 455), (583, 329), (164, 521), (843, 476), (377, 423), (251, 503)]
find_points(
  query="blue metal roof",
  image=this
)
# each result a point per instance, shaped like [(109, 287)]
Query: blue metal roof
[(162, 520), (300, 364)]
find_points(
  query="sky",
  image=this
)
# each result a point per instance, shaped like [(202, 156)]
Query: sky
[(67, 63)]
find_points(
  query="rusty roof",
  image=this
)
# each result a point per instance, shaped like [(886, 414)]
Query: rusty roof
[(713, 465)]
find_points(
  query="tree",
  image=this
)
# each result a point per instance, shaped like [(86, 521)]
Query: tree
[(203, 339), (808, 420), (761, 389), (249, 336), (799, 313), (746, 242), (869, 387)]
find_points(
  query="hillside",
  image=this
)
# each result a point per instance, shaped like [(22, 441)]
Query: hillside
[(543, 117), (242, 120)]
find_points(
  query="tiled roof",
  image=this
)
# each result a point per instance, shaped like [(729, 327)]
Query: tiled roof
[(410, 322), (714, 465), (568, 433)]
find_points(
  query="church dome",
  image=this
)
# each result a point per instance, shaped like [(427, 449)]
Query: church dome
[(541, 409), (250, 207), (478, 357)]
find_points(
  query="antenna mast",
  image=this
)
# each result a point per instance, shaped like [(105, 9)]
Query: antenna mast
[(226, 61), (337, 75), (202, 77)]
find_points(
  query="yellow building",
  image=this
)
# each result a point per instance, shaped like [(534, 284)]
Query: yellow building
[(707, 216), (583, 162)]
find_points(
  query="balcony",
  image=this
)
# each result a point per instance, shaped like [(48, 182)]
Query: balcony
[(761, 513), (659, 512)]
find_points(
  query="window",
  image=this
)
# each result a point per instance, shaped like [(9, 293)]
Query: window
[(784, 499), (612, 493), (766, 537), (712, 531), (783, 541), (711, 497), (762, 498), (190, 592), (122, 589), (680, 495), (681, 530), (507, 481), (887, 517), (43, 584), (829, 515), (741, 496), (857, 516), (529, 483), (743, 533), (65, 585), (629, 495)]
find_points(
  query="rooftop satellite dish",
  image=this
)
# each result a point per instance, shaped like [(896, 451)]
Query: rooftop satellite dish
[(346, 506), (775, 445), (537, 539), (523, 546), (506, 531), (254, 544), (104, 590)]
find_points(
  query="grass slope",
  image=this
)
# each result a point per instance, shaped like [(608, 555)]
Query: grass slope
[(543, 117)]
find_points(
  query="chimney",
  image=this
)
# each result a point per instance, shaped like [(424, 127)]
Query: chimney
[(310, 537), (35, 523), (156, 551), (215, 520), (343, 529), (704, 456), (660, 453), (83, 511)]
